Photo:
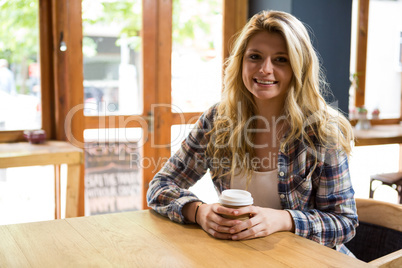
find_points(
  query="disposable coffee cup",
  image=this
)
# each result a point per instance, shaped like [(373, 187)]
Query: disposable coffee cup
[(235, 198)]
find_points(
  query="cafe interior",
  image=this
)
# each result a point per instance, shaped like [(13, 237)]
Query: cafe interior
[(103, 92)]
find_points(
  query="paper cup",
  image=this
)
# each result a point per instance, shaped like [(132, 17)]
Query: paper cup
[(235, 198)]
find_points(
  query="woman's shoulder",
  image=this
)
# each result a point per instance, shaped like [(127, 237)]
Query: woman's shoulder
[(207, 118), (326, 137), (210, 113)]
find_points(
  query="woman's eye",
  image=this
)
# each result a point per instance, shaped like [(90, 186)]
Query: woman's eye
[(254, 56), (282, 59)]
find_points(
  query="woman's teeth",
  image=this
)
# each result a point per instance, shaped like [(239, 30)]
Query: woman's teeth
[(265, 82)]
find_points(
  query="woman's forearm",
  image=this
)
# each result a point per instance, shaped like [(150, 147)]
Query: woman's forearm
[(189, 209)]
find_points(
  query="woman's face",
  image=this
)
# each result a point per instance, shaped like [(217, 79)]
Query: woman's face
[(266, 67)]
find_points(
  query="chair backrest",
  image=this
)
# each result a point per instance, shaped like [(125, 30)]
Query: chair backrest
[(380, 229), (393, 259), (380, 213)]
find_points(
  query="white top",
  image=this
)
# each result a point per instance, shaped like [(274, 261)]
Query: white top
[(263, 187)]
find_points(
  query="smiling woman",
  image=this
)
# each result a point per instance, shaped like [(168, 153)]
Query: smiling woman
[(271, 109)]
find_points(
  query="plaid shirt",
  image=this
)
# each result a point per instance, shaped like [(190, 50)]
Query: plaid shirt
[(318, 196)]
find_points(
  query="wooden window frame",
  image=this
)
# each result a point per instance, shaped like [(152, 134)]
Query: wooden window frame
[(361, 61), (62, 74), (46, 66)]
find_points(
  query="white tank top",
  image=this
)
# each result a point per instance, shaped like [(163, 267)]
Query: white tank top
[(263, 187)]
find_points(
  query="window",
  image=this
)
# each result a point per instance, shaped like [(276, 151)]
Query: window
[(20, 83), (112, 57), (84, 82), (196, 54), (377, 77), (383, 75), (182, 51)]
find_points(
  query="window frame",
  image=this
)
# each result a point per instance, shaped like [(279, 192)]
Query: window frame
[(62, 75), (361, 62)]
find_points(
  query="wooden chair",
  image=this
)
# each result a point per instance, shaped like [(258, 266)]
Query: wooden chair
[(391, 260), (393, 180), (378, 237)]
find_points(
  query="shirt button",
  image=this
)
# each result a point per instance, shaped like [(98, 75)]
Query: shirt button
[(282, 196), (281, 173)]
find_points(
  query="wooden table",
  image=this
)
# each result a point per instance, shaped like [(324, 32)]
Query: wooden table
[(379, 134), (146, 239), (55, 153)]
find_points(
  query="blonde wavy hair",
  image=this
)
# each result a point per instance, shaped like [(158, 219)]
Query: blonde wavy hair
[(305, 108)]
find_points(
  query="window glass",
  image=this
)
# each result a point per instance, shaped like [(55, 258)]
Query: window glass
[(375, 159), (20, 93), (112, 57), (27, 194), (196, 54), (113, 170), (383, 73)]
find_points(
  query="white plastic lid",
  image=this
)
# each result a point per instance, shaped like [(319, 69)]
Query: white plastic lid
[(234, 197)]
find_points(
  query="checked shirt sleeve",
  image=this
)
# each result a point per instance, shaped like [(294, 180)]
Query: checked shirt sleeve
[(333, 220), (168, 191)]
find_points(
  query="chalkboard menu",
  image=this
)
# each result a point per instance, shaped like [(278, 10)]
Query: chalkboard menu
[(113, 183)]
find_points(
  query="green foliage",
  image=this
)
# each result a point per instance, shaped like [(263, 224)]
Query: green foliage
[(89, 47), (125, 14), (19, 30), (128, 14), (185, 29)]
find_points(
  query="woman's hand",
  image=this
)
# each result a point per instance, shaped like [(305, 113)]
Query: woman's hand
[(209, 218), (264, 221)]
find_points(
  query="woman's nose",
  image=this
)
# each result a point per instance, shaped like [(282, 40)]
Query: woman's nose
[(266, 66)]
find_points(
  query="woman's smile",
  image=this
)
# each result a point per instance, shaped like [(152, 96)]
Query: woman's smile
[(265, 82), (266, 67)]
